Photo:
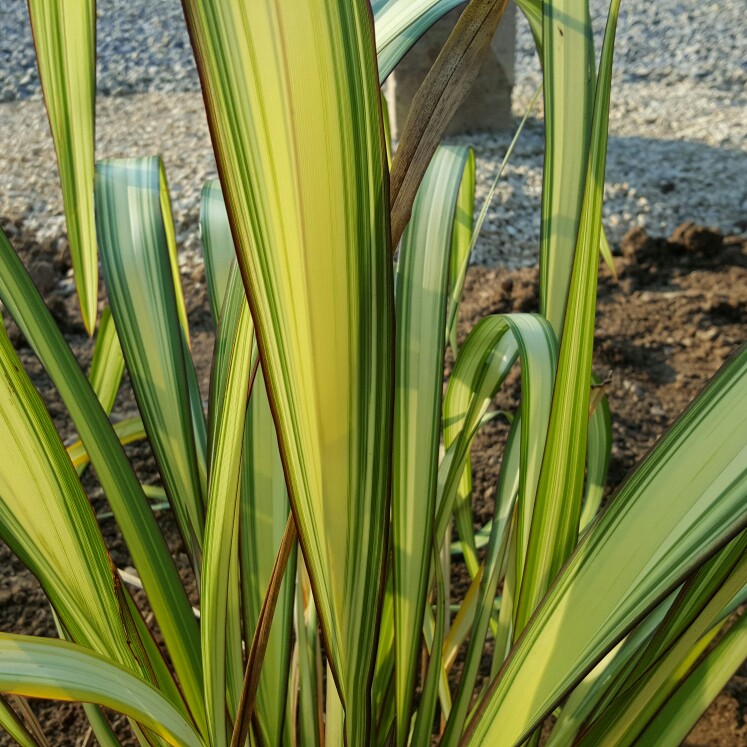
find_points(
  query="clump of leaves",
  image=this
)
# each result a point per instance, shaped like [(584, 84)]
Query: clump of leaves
[(316, 496)]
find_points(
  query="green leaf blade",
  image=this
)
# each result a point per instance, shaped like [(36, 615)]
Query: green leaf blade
[(555, 521), (46, 668), (319, 282), (107, 365), (263, 516), (678, 716), (65, 39), (217, 244), (134, 516), (680, 506), (135, 257), (231, 370), (39, 489), (421, 297), (567, 53), (400, 23)]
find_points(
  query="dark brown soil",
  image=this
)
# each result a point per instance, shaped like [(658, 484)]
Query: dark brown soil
[(677, 309)]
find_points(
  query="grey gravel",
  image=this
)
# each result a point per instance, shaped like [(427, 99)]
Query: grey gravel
[(141, 46), (678, 128), (173, 126)]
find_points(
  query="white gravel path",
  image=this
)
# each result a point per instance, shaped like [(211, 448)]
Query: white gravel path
[(678, 145)]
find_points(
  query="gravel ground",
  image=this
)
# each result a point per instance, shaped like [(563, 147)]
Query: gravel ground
[(678, 123)]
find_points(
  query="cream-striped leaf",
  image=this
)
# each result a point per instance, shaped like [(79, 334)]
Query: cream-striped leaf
[(555, 521), (400, 23), (690, 601), (263, 513), (217, 244), (58, 670), (421, 299), (423, 726), (307, 200), (128, 431), (123, 491), (46, 519), (683, 502), (688, 703), (538, 351), (263, 517), (479, 370), (567, 54), (65, 40), (498, 546), (532, 10), (461, 247), (170, 231), (598, 450), (306, 625), (659, 671), (484, 361), (107, 365), (603, 680), (135, 258), (232, 365)]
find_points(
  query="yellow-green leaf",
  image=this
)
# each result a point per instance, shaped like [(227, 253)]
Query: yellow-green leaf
[(65, 39), (421, 299), (107, 365), (263, 516), (688, 703), (555, 520), (217, 244), (46, 519), (296, 122), (123, 491), (400, 23), (230, 381), (135, 258), (567, 53), (683, 503), (58, 670)]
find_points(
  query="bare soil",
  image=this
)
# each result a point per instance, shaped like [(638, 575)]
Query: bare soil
[(676, 310)]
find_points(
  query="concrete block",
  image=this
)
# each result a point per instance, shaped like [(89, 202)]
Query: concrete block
[(487, 108)]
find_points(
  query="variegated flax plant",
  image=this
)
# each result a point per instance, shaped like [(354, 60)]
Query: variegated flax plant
[(317, 493)]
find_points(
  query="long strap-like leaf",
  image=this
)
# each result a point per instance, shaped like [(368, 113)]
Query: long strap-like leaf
[(538, 351), (598, 450), (400, 23), (567, 54), (688, 703), (682, 503), (445, 87), (65, 39), (39, 492), (263, 511), (295, 118), (135, 257), (47, 668), (230, 381), (555, 521), (592, 693), (421, 298), (14, 726), (123, 491), (263, 517), (621, 722), (217, 244), (107, 365)]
